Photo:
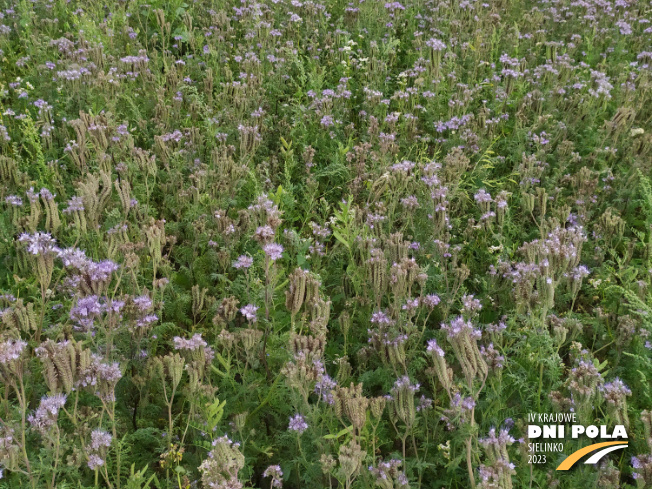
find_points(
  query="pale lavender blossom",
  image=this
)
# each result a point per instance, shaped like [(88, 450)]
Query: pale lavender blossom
[(492, 440), (273, 250), (482, 196), (249, 311), (579, 272), (146, 321), (110, 372), (615, 391), (39, 243), (11, 350), (192, 344), (434, 347), (86, 311), (298, 424), (470, 304), (381, 318), (46, 194), (243, 261), (435, 44), (424, 403), (101, 271), (46, 415), (459, 326), (430, 301), (14, 200), (73, 258), (410, 203), (143, 303), (410, 304), (275, 472), (100, 439), (95, 462), (264, 234), (492, 356), (75, 204), (404, 383)]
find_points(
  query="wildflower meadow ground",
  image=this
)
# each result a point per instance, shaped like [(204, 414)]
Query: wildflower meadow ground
[(325, 244)]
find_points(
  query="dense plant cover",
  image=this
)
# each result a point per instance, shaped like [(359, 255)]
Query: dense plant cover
[(283, 243)]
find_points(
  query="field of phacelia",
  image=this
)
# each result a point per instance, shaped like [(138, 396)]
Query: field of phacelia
[(320, 244)]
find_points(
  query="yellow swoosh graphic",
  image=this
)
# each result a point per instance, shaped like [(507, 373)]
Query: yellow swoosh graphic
[(575, 456)]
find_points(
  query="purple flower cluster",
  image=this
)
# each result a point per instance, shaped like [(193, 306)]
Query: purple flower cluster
[(11, 351), (100, 442), (192, 344), (243, 261), (298, 424), (39, 243), (459, 326), (275, 472), (47, 413), (435, 348), (273, 250), (249, 312)]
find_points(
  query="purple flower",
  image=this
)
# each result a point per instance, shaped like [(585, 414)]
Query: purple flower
[(76, 204), (14, 200), (101, 271), (46, 194), (435, 44), (264, 233), (424, 403), (410, 304), (249, 311), (324, 385), (11, 350), (146, 320), (73, 257), (459, 327), (298, 424), (275, 472), (194, 343), (381, 318), (496, 328), (46, 415), (430, 301), (434, 347), (327, 121), (109, 372), (492, 356), (482, 196), (95, 462), (243, 261), (579, 272), (470, 304), (404, 166), (39, 243), (100, 439), (143, 303), (392, 6), (404, 383), (615, 391), (273, 250), (503, 438), (86, 311), (410, 202)]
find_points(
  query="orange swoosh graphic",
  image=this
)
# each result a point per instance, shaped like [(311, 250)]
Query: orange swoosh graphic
[(575, 456)]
